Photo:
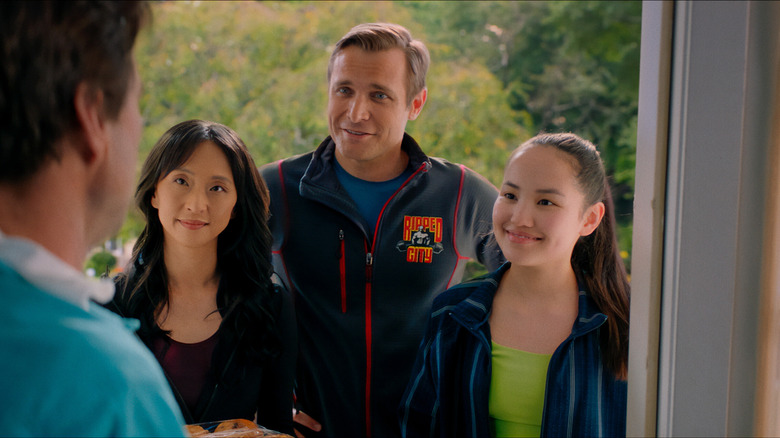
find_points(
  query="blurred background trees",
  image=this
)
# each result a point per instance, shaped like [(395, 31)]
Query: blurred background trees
[(501, 72)]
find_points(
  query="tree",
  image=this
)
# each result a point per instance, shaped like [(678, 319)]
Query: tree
[(500, 72), (101, 263), (564, 66)]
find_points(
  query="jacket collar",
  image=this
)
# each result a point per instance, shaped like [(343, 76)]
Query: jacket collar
[(474, 310), (320, 171)]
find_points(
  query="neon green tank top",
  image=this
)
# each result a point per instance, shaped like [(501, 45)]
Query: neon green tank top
[(517, 387)]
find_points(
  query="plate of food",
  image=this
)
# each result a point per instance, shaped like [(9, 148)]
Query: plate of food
[(235, 428)]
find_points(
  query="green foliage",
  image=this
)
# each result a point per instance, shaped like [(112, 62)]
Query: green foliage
[(564, 66), (501, 71), (101, 262)]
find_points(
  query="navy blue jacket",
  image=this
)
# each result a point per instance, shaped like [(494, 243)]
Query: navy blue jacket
[(362, 291), (448, 392)]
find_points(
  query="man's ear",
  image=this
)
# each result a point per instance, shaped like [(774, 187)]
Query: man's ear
[(88, 103), (592, 218), (417, 104)]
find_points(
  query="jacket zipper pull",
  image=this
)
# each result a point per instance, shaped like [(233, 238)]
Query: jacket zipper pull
[(369, 265)]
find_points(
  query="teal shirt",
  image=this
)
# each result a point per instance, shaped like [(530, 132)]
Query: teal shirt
[(71, 371), (369, 196)]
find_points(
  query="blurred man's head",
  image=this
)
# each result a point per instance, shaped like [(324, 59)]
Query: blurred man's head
[(48, 49), (69, 93)]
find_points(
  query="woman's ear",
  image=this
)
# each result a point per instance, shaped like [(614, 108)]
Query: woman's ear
[(592, 218)]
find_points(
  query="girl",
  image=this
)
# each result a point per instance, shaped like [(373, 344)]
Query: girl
[(199, 280), (540, 346)]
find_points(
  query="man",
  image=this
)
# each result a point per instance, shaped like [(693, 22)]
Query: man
[(347, 221), (71, 126)]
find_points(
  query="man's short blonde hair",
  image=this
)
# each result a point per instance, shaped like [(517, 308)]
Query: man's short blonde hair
[(376, 37)]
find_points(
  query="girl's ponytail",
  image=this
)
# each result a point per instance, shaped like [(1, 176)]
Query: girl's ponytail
[(597, 262)]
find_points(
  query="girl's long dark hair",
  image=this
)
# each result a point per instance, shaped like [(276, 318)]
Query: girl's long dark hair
[(246, 298), (596, 258)]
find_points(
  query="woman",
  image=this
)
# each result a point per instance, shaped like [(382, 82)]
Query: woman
[(200, 283), (540, 346)]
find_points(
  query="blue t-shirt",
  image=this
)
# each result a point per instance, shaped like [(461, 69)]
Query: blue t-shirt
[(70, 371), (369, 196)]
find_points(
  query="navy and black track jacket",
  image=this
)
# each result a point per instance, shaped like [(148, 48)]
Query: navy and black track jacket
[(362, 301), (449, 392)]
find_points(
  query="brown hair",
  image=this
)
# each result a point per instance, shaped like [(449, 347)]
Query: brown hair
[(48, 48), (596, 258), (376, 37)]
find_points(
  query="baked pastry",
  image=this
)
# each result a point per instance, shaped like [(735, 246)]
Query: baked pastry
[(238, 423), (194, 430)]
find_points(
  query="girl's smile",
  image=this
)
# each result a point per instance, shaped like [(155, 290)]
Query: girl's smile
[(521, 237)]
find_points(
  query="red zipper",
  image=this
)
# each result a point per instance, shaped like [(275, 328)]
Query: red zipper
[(369, 273), (369, 269), (342, 272)]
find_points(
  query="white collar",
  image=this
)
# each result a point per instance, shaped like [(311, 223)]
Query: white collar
[(51, 274)]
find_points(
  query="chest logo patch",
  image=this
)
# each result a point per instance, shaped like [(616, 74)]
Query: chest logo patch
[(421, 239)]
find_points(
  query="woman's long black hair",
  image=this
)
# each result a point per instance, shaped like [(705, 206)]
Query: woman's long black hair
[(246, 298)]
